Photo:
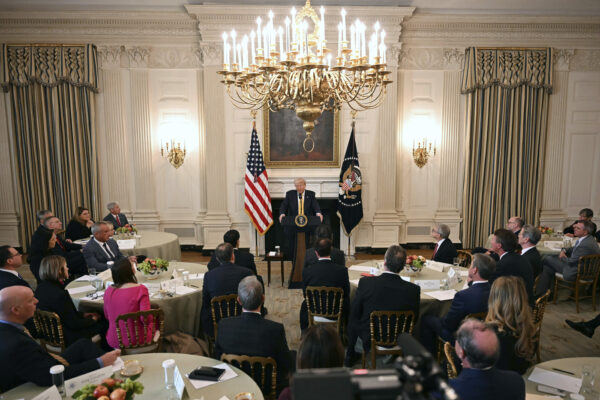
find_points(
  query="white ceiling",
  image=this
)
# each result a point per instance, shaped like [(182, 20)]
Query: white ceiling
[(523, 7)]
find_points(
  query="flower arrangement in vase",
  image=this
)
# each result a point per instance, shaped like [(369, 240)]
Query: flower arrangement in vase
[(414, 264), (546, 230), (153, 267), (124, 232)]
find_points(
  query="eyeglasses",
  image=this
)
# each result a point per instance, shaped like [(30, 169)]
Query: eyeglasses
[(14, 255)]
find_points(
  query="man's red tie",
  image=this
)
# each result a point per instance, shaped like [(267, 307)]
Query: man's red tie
[(434, 250), (118, 221), (60, 244)]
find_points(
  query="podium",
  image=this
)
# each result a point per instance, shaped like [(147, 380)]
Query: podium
[(298, 240)]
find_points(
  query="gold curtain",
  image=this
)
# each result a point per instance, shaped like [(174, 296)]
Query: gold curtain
[(52, 104), (508, 92)]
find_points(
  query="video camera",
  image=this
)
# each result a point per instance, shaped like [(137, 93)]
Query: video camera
[(415, 376)]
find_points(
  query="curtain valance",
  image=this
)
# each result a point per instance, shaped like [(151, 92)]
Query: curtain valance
[(507, 68), (49, 65)]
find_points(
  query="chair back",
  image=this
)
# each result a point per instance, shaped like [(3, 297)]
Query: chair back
[(450, 354), (263, 370), (224, 307), (324, 304), (386, 326), (478, 315), (50, 331), (148, 328), (540, 308), (588, 268), (465, 258)]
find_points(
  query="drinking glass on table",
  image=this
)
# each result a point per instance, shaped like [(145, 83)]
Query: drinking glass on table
[(588, 380), (92, 271), (456, 261)]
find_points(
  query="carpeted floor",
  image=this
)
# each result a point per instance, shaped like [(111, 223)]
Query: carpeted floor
[(558, 340)]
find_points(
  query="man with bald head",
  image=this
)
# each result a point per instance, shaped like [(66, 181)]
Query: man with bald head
[(24, 360), (478, 348)]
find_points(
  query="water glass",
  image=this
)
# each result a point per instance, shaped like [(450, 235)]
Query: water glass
[(588, 380), (58, 378), (186, 278), (456, 261), (98, 284), (277, 250), (92, 271)]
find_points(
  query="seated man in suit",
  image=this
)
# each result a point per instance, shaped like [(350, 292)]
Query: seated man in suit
[(66, 248), (251, 335), (10, 261), (528, 238), (385, 292), (102, 249), (515, 224), (566, 262), (471, 300), (478, 348), (444, 250), (28, 361), (219, 282), (585, 214), (242, 259), (511, 263), (115, 217), (324, 273), (337, 256), (35, 245)]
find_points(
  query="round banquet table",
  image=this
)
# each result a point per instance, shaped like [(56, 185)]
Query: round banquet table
[(574, 365), (428, 305), (181, 312), (153, 379), (155, 244)]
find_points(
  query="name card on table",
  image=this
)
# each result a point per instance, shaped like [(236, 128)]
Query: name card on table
[(437, 266), (94, 377), (184, 290), (179, 383), (554, 245), (196, 276), (428, 284), (127, 244), (171, 284), (442, 295), (556, 380), (49, 394)]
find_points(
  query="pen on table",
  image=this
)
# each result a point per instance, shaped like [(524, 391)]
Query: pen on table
[(562, 370)]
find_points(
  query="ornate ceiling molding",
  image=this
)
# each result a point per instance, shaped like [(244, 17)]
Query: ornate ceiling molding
[(110, 56), (98, 27)]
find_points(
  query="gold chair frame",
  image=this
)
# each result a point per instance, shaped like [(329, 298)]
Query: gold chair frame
[(588, 269), (388, 336), (49, 327), (538, 316), (317, 299), (141, 346), (248, 363)]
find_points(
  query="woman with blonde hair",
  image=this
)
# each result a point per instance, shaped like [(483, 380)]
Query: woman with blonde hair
[(80, 226), (510, 315)]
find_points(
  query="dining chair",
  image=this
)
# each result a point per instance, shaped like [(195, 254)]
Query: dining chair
[(538, 317), (324, 305), (50, 331), (148, 337), (263, 370), (588, 269), (465, 258), (385, 327)]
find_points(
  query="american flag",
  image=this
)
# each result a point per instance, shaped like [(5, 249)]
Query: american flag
[(257, 201)]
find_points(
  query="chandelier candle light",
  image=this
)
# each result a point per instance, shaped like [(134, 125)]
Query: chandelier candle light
[(175, 155), (297, 71), (421, 153)]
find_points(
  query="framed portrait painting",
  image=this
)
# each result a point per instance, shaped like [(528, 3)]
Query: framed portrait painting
[(284, 137)]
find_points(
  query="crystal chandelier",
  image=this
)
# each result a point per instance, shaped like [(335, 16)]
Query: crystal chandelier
[(292, 67)]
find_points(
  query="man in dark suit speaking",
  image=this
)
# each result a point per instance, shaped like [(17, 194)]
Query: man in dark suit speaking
[(297, 202)]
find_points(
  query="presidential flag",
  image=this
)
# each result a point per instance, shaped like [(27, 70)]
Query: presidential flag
[(257, 200), (349, 207)]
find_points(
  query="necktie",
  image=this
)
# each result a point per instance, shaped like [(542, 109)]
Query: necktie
[(20, 277), (435, 250), (60, 243), (118, 221), (301, 204), (110, 254)]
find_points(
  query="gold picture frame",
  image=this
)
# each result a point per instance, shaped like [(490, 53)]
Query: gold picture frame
[(283, 137)]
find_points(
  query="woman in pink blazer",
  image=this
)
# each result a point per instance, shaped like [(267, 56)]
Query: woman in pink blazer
[(125, 296)]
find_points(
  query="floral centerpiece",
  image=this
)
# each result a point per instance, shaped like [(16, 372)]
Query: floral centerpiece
[(126, 230), (415, 263), (546, 230), (152, 266), (110, 389)]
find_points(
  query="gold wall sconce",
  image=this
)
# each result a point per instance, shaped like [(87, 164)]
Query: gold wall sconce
[(175, 154), (422, 152)]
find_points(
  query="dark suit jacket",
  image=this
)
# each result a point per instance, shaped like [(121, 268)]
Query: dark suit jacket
[(473, 299), (8, 279), (324, 273), (337, 256), (72, 253), (535, 260), (446, 252), (512, 264), (53, 297), (218, 282), (113, 220), (509, 360), (380, 293), (242, 258), (491, 384), (95, 257), (39, 239), (29, 362), (289, 206), (252, 335), (76, 231)]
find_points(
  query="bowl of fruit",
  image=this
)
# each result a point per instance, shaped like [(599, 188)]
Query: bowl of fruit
[(110, 389)]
